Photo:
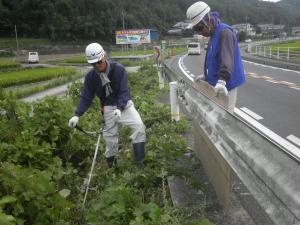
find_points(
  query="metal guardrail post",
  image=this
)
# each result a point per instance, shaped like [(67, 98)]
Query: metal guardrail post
[(160, 71), (174, 101)]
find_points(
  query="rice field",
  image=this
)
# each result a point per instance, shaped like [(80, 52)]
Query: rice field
[(13, 78)]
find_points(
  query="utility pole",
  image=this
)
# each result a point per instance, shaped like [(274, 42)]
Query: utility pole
[(246, 26), (123, 23), (17, 41), (123, 20)]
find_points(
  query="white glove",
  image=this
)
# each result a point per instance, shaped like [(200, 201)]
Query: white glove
[(199, 77), (117, 114), (221, 87), (73, 121)]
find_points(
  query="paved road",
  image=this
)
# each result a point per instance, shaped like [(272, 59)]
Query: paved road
[(269, 101)]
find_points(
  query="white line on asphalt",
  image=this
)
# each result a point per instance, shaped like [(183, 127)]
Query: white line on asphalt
[(288, 147), (267, 78), (251, 113), (286, 82), (274, 81), (297, 88), (294, 139), (182, 70), (288, 70)]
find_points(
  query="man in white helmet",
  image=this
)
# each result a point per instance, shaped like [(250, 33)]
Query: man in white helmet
[(109, 82), (223, 67)]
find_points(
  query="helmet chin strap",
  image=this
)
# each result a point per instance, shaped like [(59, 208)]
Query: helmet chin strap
[(208, 25)]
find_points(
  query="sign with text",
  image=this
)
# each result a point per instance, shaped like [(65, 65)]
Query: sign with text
[(133, 37)]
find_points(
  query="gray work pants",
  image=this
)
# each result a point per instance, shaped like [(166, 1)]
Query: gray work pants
[(129, 117)]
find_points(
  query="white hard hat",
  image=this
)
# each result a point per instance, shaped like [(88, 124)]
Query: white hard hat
[(196, 12), (94, 52)]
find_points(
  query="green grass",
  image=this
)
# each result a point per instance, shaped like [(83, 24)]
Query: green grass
[(6, 64), (290, 44), (82, 59), (75, 60), (8, 79), (26, 91), (283, 47), (131, 52), (179, 50)]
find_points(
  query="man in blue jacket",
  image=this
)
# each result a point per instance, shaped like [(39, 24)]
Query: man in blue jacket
[(223, 67), (109, 82)]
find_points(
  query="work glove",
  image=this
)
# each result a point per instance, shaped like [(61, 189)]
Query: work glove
[(117, 115), (221, 87), (73, 121), (199, 77)]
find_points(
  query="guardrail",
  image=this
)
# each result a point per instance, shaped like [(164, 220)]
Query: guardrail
[(224, 143), (264, 49), (281, 53)]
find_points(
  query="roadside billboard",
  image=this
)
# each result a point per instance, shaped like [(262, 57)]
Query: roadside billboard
[(141, 36)]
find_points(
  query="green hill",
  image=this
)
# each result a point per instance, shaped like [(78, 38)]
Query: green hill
[(98, 19)]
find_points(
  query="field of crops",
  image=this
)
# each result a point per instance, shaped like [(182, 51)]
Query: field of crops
[(13, 78), (291, 44), (44, 164), (6, 64)]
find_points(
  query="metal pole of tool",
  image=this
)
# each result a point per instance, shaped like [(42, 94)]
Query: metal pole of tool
[(92, 168)]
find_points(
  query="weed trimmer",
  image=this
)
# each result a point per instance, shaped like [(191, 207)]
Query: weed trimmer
[(93, 134)]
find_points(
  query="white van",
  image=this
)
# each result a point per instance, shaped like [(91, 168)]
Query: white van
[(33, 57), (194, 48)]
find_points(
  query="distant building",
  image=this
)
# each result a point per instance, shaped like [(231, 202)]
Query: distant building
[(295, 31), (271, 30), (178, 28), (245, 27)]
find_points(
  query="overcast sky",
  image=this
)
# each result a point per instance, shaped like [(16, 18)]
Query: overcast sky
[(271, 0)]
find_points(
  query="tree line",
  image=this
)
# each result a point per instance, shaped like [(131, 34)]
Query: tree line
[(98, 19)]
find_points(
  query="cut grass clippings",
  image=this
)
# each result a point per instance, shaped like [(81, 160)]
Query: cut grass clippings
[(8, 79)]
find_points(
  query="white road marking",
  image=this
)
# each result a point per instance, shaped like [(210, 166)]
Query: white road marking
[(267, 78), (288, 147), (286, 82), (297, 88), (294, 139), (251, 113), (270, 79), (273, 81), (254, 75), (182, 70)]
